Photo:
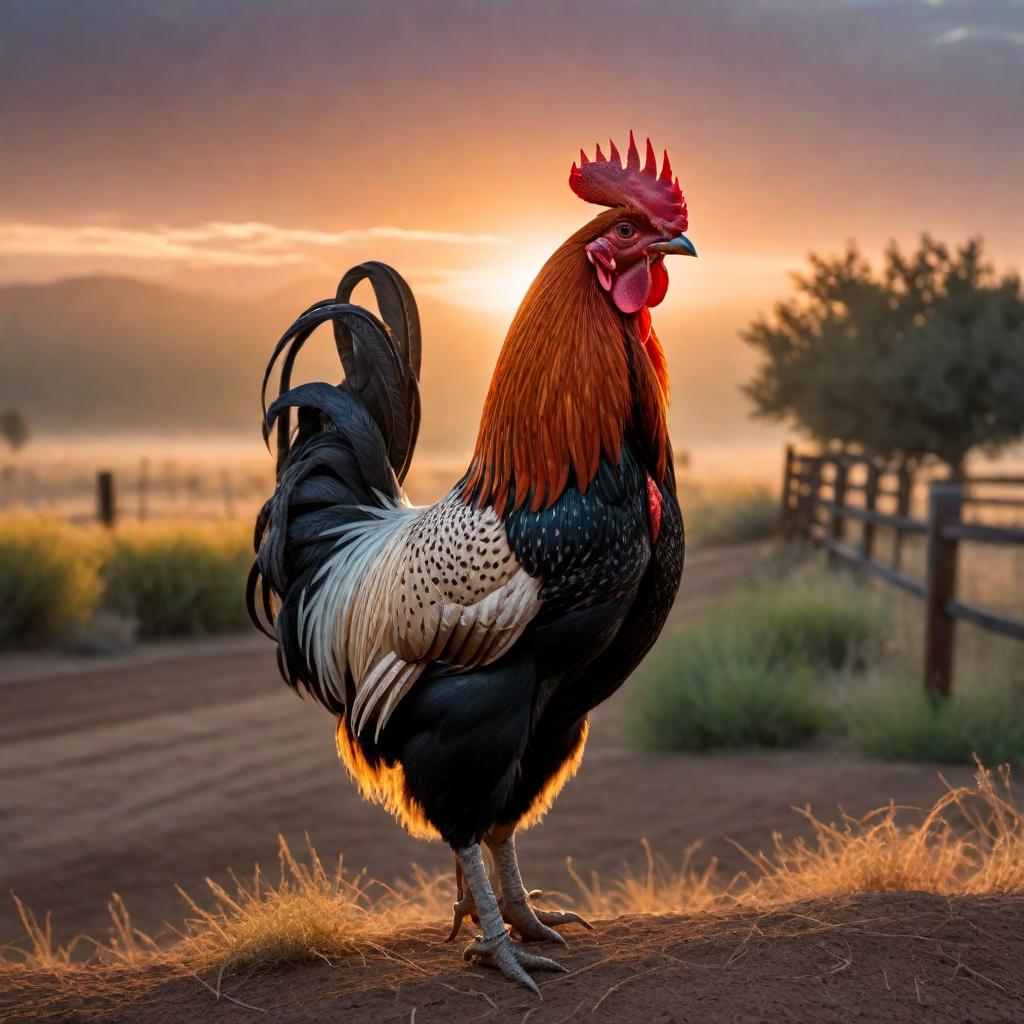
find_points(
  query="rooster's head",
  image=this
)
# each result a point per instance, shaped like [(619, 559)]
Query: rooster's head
[(628, 257)]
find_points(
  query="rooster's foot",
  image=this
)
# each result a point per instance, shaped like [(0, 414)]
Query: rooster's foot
[(462, 908), (530, 923), (516, 903), (535, 925), (511, 959)]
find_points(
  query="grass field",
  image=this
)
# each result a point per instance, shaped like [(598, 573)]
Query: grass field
[(175, 579), (185, 577)]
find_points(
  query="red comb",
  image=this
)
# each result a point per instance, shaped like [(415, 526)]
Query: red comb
[(607, 182)]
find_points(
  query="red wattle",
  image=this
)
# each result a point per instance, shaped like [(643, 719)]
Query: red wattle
[(659, 283), (653, 507), (632, 287), (643, 323)]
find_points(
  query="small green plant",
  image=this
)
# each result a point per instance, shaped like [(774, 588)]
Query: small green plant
[(178, 580), (815, 619), (716, 688), (893, 718), (748, 671), (49, 580)]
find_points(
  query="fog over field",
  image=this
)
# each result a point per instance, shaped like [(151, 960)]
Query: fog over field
[(146, 365)]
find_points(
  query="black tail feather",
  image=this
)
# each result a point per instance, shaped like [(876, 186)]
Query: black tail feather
[(352, 447), (396, 304), (381, 360), (398, 310)]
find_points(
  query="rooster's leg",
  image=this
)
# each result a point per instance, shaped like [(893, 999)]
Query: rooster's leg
[(528, 922), (463, 906), (495, 947)]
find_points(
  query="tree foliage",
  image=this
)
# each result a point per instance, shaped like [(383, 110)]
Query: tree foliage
[(14, 429), (924, 357)]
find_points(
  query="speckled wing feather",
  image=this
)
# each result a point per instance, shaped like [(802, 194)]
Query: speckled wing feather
[(411, 587)]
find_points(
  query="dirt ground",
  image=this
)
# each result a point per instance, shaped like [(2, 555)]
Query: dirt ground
[(165, 767), (879, 957), (172, 764)]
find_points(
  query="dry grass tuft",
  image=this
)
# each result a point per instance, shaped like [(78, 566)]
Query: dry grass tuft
[(41, 951), (658, 888), (310, 913), (970, 842)]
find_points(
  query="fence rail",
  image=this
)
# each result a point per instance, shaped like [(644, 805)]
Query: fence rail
[(816, 495)]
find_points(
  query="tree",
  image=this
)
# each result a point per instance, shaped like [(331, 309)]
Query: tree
[(923, 358), (14, 429)]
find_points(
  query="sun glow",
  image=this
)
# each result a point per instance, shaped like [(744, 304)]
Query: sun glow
[(499, 285), (498, 288)]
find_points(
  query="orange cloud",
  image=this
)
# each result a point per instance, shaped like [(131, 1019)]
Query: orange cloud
[(221, 243)]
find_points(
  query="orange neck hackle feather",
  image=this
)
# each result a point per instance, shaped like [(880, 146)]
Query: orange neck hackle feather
[(562, 394)]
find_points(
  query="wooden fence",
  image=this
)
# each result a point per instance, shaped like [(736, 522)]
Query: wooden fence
[(219, 503), (824, 495)]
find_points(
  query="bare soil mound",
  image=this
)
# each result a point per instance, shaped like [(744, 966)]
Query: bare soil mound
[(889, 957)]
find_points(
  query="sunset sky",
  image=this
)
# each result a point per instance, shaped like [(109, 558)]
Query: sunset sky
[(247, 144)]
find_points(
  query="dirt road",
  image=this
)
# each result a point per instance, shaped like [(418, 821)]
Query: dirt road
[(166, 766)]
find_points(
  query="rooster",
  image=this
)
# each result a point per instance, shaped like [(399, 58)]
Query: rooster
[(462, 645)]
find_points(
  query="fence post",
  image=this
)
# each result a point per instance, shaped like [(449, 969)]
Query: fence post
[(904, 489), (837, 521), (229, 494), (945, 504), (867, 537), (809, 512), (143, 510), (785, 513), (106, 508)]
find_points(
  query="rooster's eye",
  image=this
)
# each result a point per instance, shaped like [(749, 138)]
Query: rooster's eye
[(624, 229)]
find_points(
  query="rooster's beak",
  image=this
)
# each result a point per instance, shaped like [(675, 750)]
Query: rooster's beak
[(680, 246)]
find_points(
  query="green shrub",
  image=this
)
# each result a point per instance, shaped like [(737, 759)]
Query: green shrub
[(177, 580), (823, 621), (728, 514), (711, 685), (748, 670), (893, 718), (49, 583)]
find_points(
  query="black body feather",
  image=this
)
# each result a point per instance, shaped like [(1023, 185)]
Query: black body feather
[(349, 449)]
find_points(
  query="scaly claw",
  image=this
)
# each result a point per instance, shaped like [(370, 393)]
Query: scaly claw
[(527, 924), (546, 917), (463, 907), (553, 917), (511, 959)]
